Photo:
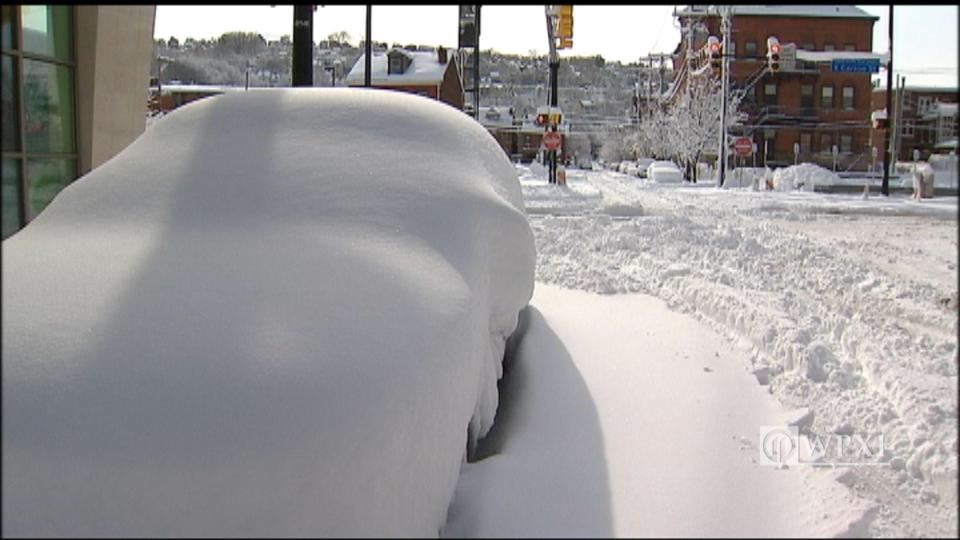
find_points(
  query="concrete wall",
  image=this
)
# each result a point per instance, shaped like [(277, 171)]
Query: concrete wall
[(114, 49)]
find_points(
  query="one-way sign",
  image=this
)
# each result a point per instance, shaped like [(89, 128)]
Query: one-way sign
[(856, 65)]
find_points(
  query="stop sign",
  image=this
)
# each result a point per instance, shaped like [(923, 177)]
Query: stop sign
[(551, 140), (743, 146)]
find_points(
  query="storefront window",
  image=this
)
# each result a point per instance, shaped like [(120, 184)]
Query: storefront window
[(48, 107), (46, 178), (11, 120), (39, 117), (10, 192), (47, 31), (8, 36)]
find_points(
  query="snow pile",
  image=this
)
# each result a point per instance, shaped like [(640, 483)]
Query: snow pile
[(542, 197), (754, 178), (804, 176), (277, 313), (845, 304)]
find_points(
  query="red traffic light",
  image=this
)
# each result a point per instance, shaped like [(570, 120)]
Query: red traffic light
[(775, 48), (714, 47)]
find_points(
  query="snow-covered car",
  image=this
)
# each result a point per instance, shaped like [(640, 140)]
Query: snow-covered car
[(664, 172), (630, 169), (622, 167), (642, 165), (280, 312)]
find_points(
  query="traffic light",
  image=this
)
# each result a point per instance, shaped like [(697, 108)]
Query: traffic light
[(716, 52), (565, 23), (773, 54)]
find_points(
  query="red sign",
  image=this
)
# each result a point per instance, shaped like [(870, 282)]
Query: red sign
[(551, 140), (743, 146)]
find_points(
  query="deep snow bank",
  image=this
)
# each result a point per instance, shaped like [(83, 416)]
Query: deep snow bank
[(804, 176), (274, 314)]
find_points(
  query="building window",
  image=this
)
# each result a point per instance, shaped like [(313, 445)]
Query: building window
[(826, 97), (806, 96), (923, 104), (849, 47), (396, 65), (848, 98), (846, 144), (908, 128), (806, 140), (770, 93), (829, 47), (39, 121), (826, 143), (809, 46), (750, 49)]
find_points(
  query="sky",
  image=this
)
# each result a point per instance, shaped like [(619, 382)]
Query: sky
[(925, 37)]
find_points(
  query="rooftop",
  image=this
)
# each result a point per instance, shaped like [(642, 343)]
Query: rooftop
[(782, 10), (424, 69)]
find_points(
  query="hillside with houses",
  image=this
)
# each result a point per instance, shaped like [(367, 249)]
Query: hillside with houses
[(593, 93)]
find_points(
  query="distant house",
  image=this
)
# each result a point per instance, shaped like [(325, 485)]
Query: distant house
[(432, 74), (928, 121)]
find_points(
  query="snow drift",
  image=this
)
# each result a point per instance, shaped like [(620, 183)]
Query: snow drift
[(278, 312), (804, 176)]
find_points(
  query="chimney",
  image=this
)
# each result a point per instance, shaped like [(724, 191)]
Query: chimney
[(442, 54)]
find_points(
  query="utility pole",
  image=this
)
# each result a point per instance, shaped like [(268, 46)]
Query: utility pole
[(885, 186), (302, 46), (899, 133), (554, 60), (476, 63), (724, 75), (368, 52)]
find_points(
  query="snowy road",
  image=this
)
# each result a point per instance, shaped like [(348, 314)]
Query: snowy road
[(845, 306)]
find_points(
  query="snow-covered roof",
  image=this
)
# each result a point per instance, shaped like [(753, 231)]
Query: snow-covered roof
[(785, 10), (424, 69)]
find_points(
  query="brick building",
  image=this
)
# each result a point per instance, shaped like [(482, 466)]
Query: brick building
[(928, 121), (426, 73), (807, 103)]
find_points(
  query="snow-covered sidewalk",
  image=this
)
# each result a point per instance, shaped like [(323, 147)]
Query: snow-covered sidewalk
[(623, 418)]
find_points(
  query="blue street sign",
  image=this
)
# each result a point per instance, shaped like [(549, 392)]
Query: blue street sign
[(856, 65)]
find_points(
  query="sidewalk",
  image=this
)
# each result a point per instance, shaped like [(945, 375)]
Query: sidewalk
[(619, 418)]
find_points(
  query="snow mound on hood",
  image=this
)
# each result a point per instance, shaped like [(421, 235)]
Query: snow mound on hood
[(277, 313), (804, 176)]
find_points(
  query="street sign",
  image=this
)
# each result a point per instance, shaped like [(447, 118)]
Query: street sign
[(551, 140), (743, 146), (855, 65)]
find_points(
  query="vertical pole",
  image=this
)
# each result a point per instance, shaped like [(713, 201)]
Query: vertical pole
[(302, 46), (724, 72), (476, 63), (368, 52), (899, 147), (554, 62), (885, 186)]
